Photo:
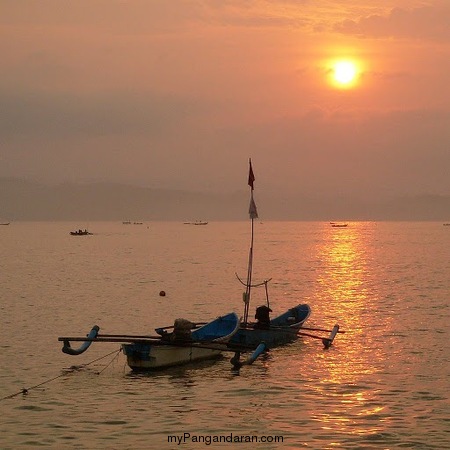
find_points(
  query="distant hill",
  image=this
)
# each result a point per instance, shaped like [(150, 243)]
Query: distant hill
[(25, 200)]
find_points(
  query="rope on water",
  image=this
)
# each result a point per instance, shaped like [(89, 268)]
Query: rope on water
[(25, 391), (116, 356), (101, 357)]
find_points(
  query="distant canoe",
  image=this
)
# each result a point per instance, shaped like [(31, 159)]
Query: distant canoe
[(80, 233)]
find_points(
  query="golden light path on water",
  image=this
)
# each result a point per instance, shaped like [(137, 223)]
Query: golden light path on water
[(344, 285)]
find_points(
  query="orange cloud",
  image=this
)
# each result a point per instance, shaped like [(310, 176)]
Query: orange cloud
[(428, 22)]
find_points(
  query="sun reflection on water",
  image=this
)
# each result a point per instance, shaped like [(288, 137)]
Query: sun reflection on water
[(344, 264), (345, 294)]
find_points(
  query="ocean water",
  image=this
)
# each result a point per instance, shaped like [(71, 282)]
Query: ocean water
[(384, 384)]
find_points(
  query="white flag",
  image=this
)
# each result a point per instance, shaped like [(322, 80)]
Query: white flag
[(252, 209)]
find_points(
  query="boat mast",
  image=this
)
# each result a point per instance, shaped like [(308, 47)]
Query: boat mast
[(253, 215)]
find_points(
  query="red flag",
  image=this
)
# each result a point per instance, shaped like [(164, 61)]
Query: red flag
[(251, 177)]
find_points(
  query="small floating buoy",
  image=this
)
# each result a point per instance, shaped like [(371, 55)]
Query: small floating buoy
[(162, 293)]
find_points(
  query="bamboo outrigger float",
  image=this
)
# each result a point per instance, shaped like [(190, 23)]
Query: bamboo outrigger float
[(188, 342)]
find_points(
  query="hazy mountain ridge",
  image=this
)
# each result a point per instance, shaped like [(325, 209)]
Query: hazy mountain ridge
[(26, 200)]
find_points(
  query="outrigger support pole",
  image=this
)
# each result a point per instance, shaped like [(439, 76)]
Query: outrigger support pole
[(237, 364), (86, 344)]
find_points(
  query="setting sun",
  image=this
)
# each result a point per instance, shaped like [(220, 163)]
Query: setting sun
[(344, 74)]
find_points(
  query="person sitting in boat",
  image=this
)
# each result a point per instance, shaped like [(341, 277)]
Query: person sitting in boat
[(262, 316), (182, 330)]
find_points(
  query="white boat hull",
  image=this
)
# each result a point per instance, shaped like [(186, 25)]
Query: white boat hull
[(161, 356)]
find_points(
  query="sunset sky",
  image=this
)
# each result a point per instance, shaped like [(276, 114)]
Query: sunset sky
[(179, 94)]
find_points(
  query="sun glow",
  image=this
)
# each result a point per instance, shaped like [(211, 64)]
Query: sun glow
[(344, 74)]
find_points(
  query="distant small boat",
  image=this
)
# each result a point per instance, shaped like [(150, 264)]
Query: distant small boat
[(5, 223), (197, 222), (338, 225), (80, 233), (126, 222), (445, 224)]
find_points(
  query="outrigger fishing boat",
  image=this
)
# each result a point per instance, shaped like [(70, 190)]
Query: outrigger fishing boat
[(186, 342), (169, 348)]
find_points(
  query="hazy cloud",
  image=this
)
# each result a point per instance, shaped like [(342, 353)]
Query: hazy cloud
[(427, 22), (73, 115)]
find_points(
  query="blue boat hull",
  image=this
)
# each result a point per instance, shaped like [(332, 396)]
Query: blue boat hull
[(218, 330), (283, 329), (145, 356)]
